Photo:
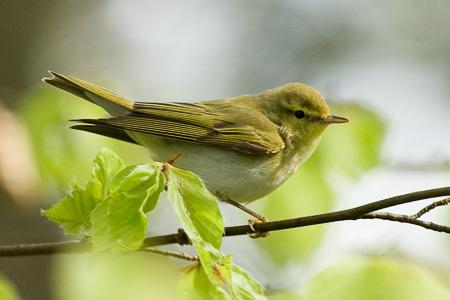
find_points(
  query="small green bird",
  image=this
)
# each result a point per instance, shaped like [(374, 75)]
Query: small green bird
[(242, 147)]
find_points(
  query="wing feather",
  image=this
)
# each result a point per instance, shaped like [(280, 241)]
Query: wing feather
[(192, 122)]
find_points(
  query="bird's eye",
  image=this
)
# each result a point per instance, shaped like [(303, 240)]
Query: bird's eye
[(299, 114)]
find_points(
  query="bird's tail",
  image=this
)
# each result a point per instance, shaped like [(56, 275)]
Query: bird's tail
[(114, 104)]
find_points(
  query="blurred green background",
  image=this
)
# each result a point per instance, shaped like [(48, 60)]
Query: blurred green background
[(384, 65)]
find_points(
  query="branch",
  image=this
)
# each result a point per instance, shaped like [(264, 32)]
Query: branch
[(342, 215), (45, 248), (360, 212)]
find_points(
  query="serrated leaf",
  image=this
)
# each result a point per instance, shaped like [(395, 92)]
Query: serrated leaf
[(196, 284), (197, 211), (73, 211), (119, 222)]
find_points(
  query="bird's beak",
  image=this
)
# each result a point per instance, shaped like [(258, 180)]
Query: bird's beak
[(329, 119)]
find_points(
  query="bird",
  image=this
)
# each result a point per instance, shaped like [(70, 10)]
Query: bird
[(242, 147)]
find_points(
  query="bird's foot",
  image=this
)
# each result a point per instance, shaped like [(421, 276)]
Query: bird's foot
[(255, 233)]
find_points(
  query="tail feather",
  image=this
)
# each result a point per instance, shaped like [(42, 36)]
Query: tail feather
[(113, 103)]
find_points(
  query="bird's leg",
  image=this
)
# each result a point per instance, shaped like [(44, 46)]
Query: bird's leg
[(251, 222), (246, 209)]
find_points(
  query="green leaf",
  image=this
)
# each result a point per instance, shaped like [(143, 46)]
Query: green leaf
[(195, 284), (112, 208), (241, 284), (106, 165), (199, 207), (73, 211), (375, 278), (197, 211), (119, 222)]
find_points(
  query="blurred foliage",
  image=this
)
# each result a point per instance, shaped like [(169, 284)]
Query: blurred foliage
[(305, 193), (139, 276), (107, 276), (7, 290), (377, 278), (346, 149), (354, 148)]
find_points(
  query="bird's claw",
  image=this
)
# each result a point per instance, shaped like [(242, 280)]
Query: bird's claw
[(257, 234)]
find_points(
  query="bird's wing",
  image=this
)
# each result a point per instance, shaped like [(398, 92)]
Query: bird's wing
[(194, 122)]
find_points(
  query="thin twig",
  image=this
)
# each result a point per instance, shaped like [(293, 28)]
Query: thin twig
[(181, 255), (430, 207), (406, 219)]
